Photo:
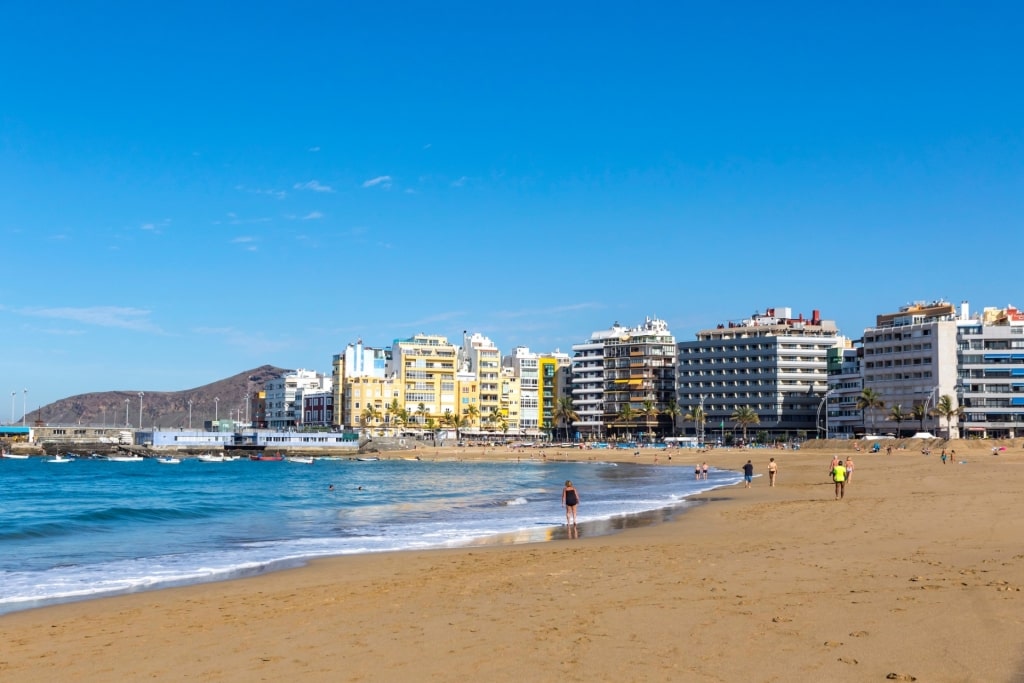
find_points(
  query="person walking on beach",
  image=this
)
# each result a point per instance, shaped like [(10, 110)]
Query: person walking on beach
[(704, 471), (849, 468), (832, 468), (748, 474), (839, 477), (773, 468), (570, 499)]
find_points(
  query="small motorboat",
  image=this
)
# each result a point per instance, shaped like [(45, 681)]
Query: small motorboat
[(59, 458), (265, 457), (301, 460), (12, 456), (210, 457), (125, 458), (368, 459), (168, 460)]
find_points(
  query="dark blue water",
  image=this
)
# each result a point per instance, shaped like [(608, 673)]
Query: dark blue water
[(90, 527)]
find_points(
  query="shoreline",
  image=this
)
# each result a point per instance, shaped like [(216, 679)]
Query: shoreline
[(532, 533), (917, 572)]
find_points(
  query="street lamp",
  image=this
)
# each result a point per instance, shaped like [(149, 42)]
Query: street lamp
[(190, 414), (126, 402), (141, 394), (700, 424), (216, 409), (24, 401), (817, 420), (13, 394)]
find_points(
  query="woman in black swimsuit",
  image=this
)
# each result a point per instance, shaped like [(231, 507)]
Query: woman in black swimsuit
[(570, 499)]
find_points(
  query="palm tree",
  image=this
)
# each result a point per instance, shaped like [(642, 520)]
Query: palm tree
[(697, 416), (745, 416), (455, 421), (947, 410), (392, 410), (627, 415), (897, 415), (563, 412), (421, 412), (370, 415), (649, 409), (869, 399), (471, 412), (919, 413), (673, 411)]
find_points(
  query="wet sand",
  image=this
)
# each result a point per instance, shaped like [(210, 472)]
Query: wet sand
[(917, 573)]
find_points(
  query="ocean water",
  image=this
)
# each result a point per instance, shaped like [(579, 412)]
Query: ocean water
[(91, 528)]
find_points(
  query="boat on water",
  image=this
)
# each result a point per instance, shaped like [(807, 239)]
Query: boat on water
[(168, 460), (301, 460), (59, 458), (125, 458), (373, 459), (265, 457), (210, 457), (12, 456)]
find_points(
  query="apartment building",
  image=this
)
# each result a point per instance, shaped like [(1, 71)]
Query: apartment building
[(481, 358), (773, 363), (619, 367), (910, 359), (356, 361), (551, 387), (523, 364), (841, 419), (424, 369), (284, 397), (990, 387)]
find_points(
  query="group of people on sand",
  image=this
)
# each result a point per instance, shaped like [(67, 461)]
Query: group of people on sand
[(841, 473), (700, 471)]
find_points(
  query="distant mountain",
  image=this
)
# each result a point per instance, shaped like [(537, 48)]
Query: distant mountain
[(159, 408)]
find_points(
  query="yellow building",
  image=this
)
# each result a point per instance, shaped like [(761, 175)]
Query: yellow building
[(424, 370)]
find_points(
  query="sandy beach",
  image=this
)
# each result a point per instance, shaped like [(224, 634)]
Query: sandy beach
[(916, 575)]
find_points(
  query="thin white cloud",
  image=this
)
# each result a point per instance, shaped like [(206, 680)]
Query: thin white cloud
[(134, 319), (156, 228), (314, 149), (552, 311), (276, 194), (459, 182), (247, 341), (383, 181), (313, 185), (233, 219), (312, 216)]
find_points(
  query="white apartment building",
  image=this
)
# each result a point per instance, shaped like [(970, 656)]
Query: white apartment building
[(588, 381), (841, 419), (991, 374), (910, 359), (284, 397), (356, 361), (480, 357), (523, 364), (773, 363), (623, 366)]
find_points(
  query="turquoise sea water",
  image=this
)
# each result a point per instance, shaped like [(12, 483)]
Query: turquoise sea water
[(90, 527)]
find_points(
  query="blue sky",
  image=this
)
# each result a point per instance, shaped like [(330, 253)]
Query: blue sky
[(190, 190)]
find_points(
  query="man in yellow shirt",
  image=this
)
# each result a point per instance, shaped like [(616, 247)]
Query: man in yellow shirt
[(839, 476)]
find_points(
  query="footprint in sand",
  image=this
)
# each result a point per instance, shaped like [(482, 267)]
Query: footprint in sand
[(901, 677)]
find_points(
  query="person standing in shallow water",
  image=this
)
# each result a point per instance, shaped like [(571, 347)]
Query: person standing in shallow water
[(570, 499)]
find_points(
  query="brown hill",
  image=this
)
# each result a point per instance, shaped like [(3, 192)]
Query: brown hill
[(159, 408)]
